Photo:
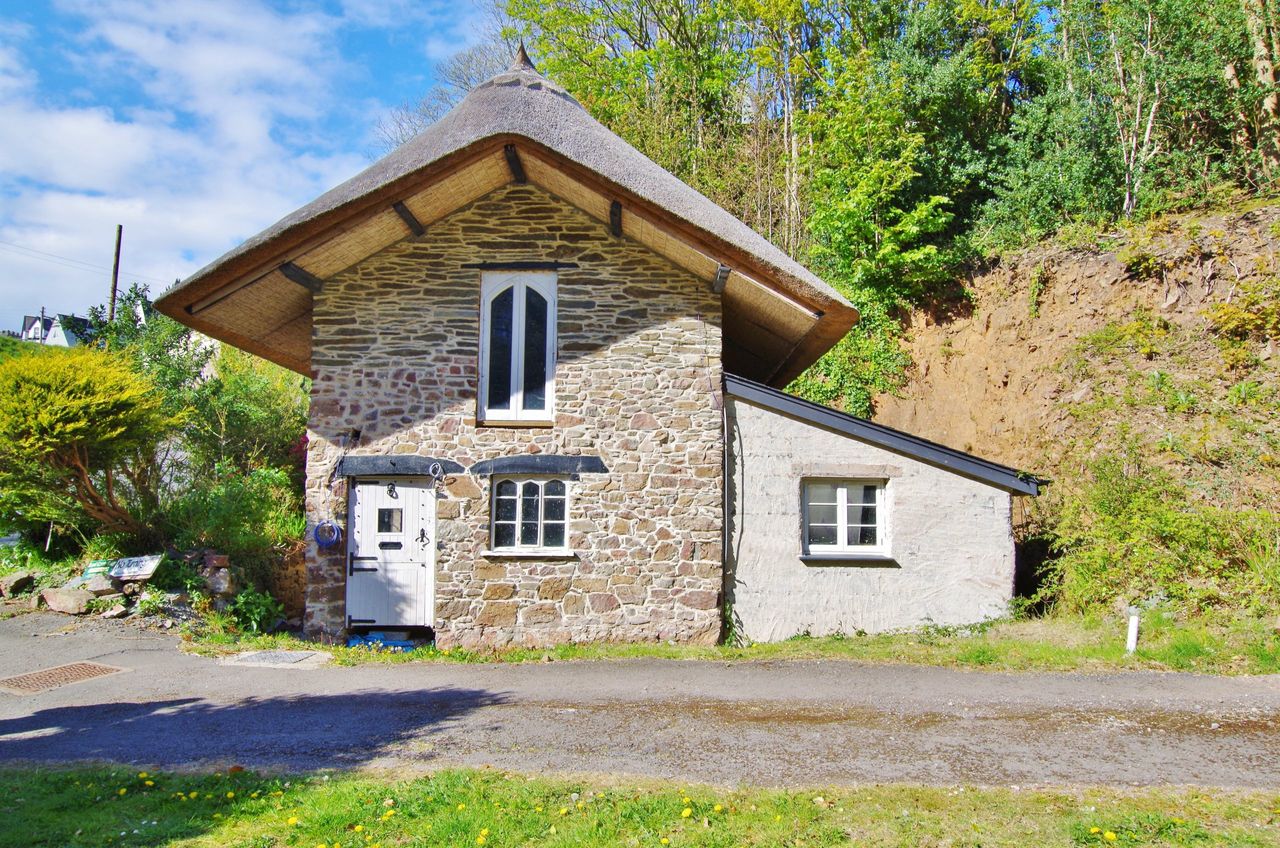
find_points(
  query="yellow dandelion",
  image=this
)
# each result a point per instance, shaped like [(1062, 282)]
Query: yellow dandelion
[(685, 799), (480, 840), (148, 783), (358, 828), (665, 841), (231, 795), (322, 845), (277, 793), (253, 794), (484, 831), (142, 775), (121, 791), (718, 808), (564, 811), (777, 818), (292, 820), (537, 809), (1109, 836), (581, 805), (194, 795), (1095, 830)]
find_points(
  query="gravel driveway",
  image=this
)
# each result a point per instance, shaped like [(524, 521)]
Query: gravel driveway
[(761, 723)]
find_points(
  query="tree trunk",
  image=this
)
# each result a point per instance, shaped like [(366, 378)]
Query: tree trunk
[(1260, 18)]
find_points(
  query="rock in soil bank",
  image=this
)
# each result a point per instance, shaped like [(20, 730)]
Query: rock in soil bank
[(16, 583), (69, 601)]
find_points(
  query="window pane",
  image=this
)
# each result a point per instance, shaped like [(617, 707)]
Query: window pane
[(553, 535), (390, 520), (822, 535), (507, 489), (862, 515), (535, 350), (500, 329), (865, 535), (555, 488), (821, 493), (504, 536), (822, 514), (553, 508), (529, 533), (505, 509), (529, 502), (868, 495)]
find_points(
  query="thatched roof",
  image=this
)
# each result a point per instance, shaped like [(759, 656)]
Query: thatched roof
[(779, 316)]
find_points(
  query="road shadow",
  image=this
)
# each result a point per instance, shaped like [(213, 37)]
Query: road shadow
[(295, 732)]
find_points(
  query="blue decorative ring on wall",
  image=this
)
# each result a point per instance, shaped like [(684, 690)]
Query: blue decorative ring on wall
[(327, 534)]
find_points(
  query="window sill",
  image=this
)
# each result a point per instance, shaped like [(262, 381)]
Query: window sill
[(529, 554), (868, 560), (503, 422)]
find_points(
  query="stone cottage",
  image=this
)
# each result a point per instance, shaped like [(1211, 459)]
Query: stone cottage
[(542, 407)]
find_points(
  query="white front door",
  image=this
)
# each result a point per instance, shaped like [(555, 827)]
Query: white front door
[(392, 553)]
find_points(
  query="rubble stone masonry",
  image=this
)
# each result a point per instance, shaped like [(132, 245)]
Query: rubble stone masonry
[(638, 376)]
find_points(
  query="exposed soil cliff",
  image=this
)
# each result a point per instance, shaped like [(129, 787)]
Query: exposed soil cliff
[(1061, 349)]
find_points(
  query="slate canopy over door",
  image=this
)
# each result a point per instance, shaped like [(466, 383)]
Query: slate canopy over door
[(392, 553)]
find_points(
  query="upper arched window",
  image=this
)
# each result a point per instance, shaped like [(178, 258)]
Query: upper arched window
[(517, 346)]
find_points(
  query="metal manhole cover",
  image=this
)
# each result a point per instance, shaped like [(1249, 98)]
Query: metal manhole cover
[(51, 678)]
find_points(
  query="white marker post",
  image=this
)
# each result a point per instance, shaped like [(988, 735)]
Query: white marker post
[(1131, 643)]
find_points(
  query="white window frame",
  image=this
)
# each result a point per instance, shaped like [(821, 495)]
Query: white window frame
[(493, 283), (520, 481), (841, 548)]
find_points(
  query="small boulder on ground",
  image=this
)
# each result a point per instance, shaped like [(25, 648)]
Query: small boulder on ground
[(16, 583), (117, 611), (69, 601), (101, 584)]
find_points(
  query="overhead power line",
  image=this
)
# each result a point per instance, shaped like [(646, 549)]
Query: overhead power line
[(73, 264)]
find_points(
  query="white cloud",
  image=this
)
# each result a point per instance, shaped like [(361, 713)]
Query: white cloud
[(234, 116)]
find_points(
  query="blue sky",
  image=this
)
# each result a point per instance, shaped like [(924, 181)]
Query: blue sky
[(194, 123)]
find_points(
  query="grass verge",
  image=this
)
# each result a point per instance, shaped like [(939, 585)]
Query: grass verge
[(1053, 643), (119, 807)]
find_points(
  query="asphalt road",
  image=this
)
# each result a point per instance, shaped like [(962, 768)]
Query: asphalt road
[(759, 723)]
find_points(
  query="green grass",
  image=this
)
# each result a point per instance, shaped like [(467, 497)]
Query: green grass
[(1053, 643), (116, 807)]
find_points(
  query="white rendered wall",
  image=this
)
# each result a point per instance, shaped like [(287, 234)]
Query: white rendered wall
[(951, 538)]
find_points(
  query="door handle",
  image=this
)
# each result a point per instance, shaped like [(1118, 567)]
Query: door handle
[(422, 537)]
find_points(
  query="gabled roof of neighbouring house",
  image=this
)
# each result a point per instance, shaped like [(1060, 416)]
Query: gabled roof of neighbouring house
[(932, 453), (517, 127)]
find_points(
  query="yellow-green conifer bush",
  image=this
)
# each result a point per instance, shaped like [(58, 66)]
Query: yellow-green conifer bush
[(79, 436)]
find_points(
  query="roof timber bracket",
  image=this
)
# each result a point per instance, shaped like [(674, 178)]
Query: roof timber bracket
[(615, 218), (722, 279), (414, 225), (514, 163), (302, 277)]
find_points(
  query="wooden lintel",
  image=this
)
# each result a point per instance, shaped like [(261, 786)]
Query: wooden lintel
[(514, 163), (615, 217), (414, 225), (521, 266), (302, 277), (722, 278)]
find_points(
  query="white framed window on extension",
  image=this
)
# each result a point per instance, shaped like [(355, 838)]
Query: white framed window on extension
[(517, 347), (845, 518), (530, 514)]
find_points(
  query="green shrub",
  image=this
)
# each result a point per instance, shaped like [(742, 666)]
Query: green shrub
[(256, 611), (1131, 532), (250, 516)]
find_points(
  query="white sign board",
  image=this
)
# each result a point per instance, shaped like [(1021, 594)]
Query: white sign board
[(135, 568)]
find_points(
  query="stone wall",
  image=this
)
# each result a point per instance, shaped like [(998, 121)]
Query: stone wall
[(950, 538), (638, 379)]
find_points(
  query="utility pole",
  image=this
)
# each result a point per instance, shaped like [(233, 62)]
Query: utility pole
[(42, 330), (115, 275)]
